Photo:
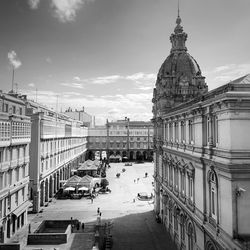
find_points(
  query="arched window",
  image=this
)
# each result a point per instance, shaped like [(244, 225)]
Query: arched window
[(182, 228), (213, 195), (210, 246), (190, 237), (176, 220), (171, 173)]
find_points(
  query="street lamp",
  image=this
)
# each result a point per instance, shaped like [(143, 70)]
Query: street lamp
[(107, 124)]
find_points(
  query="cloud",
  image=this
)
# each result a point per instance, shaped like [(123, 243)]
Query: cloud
[(73, 85), (113, 107), (77, 78), (106, 79), (33, 4), (31, 85), (225, 73), (116, 114), (13, 59), (140, 76), (65, 10)]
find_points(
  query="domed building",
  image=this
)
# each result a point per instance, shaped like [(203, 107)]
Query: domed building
[(201, 154), (179, 78)]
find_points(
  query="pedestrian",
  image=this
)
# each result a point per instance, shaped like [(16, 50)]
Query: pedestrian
[(134, 181), (134, 200), (100, 214), (91, 197), (82, 226), (138, 179), (98, 210)]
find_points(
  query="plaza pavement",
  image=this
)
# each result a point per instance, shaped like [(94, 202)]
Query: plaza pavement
[(133, 221)]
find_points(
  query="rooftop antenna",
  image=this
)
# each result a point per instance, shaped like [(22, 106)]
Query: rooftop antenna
[(178, 8), (57, 103), (13, 77)]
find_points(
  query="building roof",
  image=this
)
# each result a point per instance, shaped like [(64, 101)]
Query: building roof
[(242, 80), (89, 165), (86, 181), (72, 181)]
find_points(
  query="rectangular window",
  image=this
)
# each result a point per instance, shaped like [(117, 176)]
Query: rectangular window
[(183, 132), (213, 202), (171, 131), (1, 181), (23, 192), (191, 131), (16, 198), (17, 174), (14, 109), (191, 189), (182, 184), (10, 177), (1, 212), (216, 137), (9, 202), (176, 131), (6, 107)]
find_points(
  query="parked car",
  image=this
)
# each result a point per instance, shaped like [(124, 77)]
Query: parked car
[(128, 164), (104, 190), (143, 196)]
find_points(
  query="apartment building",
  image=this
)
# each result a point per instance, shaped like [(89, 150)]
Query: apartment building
[(15, 137), (132, 140), (58, 145)]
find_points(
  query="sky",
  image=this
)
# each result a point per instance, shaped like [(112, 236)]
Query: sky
[(105, 54)]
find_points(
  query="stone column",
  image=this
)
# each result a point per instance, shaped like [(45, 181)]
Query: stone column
[(58, 180), (42, 194), (51, 187), (55, 183), (46, 196)]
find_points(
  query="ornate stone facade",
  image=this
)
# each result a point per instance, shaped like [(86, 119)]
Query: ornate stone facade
[(179, 78), (201, 154)]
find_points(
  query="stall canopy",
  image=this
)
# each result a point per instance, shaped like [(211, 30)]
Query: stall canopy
[(115, 158), (89, 165), (88, 168), (72, 181), (86, 181)]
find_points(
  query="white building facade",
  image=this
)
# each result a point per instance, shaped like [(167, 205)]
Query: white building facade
[(201, 155), (58, 145), (124, 138), (15, 138)]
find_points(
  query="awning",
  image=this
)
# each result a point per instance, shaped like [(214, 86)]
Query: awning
[(20, 209)]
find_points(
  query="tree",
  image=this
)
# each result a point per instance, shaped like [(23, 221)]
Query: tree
[(104, 183)]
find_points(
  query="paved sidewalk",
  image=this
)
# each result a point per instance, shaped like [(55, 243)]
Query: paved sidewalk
[(134, 225)]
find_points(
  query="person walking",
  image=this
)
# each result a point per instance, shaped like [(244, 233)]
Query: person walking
[(98, 210)]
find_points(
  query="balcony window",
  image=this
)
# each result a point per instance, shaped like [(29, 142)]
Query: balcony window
[(213, 194), (183, 132), (191, 131)]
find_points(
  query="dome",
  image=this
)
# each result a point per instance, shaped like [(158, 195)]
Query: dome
[(179, 79), (179, 64)]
